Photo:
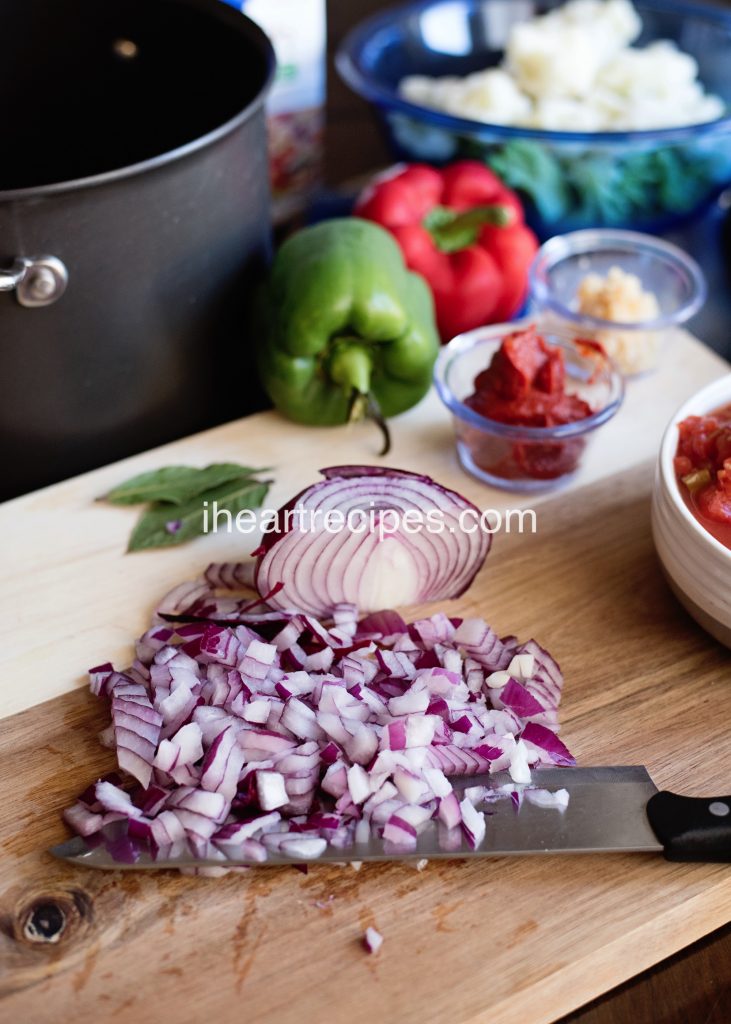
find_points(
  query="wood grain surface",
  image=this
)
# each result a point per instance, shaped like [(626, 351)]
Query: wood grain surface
[(501, 942), (63, 552), (694, 986)]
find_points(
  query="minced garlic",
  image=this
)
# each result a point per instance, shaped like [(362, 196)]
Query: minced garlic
[(620, 297)]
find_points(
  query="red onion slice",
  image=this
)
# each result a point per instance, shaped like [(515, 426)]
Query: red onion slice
[(394, 538)]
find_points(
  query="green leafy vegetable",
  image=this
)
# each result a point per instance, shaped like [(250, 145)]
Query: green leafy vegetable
[(640, 186), (530, 168), (177, 484), (601, 195), (166, 525)]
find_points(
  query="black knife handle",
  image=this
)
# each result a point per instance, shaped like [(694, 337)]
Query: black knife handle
[(692, 828)]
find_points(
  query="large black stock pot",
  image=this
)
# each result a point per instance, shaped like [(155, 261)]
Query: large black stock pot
[(134, 217)]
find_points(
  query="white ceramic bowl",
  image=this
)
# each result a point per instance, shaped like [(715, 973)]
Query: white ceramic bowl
[(697, 566)]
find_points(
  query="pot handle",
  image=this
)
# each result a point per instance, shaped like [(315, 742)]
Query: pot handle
[(36, 280)]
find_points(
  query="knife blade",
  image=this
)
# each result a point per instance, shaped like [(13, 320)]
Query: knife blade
[(610, 809)]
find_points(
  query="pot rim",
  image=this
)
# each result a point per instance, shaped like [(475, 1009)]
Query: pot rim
[(238, 20)]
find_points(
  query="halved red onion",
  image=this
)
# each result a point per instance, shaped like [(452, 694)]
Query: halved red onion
[(370, 537)]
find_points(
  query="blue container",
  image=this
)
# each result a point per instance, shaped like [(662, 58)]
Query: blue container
[(650, 181)]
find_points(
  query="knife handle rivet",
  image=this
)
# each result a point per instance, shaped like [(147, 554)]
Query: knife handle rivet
[(719, 809)]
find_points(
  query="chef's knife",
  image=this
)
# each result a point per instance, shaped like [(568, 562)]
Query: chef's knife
[(609, 810)]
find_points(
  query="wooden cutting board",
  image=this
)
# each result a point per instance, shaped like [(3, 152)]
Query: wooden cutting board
[(501, 941)]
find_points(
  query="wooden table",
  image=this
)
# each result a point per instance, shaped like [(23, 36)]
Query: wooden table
[(692, 985), (506, 942)]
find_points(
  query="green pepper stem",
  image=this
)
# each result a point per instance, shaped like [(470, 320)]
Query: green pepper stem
[(351, 365), (366, 407), (375, 414)]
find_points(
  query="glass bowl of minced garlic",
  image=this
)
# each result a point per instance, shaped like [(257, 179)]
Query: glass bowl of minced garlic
[(625, 290)]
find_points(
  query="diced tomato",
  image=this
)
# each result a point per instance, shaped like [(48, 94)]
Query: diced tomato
[(704, 443), (715, 503)]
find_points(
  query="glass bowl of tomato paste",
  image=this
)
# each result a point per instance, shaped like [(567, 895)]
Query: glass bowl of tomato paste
[(691, 507), (525, 402)]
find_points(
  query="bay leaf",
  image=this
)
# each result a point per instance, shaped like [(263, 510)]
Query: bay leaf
[(166, 524), (177, 484)]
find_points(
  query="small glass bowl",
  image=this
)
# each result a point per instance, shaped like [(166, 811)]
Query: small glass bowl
[(671, 275), (521, 458)]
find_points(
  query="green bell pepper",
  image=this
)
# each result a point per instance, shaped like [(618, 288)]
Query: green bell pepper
[(350, 332)]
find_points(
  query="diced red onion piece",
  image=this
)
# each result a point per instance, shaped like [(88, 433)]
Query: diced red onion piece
[(519, 766), (114, 799), (230, 575), (473, 823), (372, 940), (210, 805), (449, 811), (558, 799), (271, 790), (329, 734), (475, 794), (82, 820), (519, 699), (304, 847), (399, 831), (547, 744), (385, 625), (222, 764)]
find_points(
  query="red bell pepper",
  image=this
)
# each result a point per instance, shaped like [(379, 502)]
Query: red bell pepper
[(463, 230)]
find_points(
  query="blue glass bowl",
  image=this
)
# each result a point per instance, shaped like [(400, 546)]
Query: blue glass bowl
[(650, 181)]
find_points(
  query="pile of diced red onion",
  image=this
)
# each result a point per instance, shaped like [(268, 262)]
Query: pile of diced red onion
[(241, 731)]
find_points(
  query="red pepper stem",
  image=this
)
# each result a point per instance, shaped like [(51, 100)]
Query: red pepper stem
[(495, 213), (452, 231)]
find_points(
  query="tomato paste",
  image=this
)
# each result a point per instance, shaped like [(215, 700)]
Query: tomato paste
[(525, 385), (703, 466)]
